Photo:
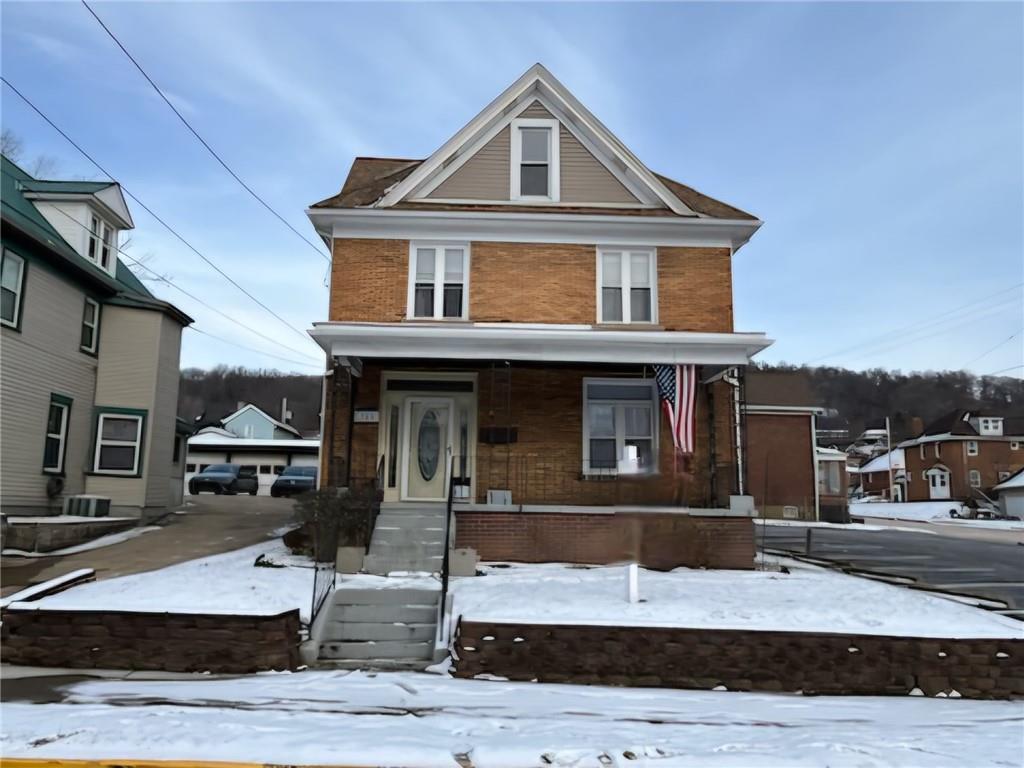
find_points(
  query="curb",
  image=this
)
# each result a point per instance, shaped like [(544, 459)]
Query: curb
[(56, 762)]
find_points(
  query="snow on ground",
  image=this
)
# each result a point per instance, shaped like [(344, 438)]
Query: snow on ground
[(909, 510), (222, 584), (419, 720), (65, 519), (98, 543), (806, 599)]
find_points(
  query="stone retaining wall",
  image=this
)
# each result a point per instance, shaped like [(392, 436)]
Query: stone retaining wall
[(655, 540), (47, 536), (741, 660), (174, 642)]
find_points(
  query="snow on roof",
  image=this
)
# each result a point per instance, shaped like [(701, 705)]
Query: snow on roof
[(830, 454), (881, 463), (1013, 481), (210, 439)]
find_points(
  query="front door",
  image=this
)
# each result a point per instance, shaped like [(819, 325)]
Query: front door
[(428, 446), (938, 484)]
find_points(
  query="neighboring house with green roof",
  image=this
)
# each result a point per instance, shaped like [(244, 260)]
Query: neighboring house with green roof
[(89, 357)]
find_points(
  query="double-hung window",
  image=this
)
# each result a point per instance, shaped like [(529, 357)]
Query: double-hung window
[(627, 290), (619, 427), (118, 443), (974, 478), (12, 282), (102, 239), (56, 434), (90, 326), (438, 281), (535, 168)]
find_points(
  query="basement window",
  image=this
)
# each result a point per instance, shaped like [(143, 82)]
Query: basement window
[(619, 427), (438, 279), (535, 167)]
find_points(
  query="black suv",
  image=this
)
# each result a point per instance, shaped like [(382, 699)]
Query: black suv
[(225, 478), (293, 481)]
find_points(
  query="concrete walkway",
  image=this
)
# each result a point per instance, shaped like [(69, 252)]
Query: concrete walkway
[(210, 525)]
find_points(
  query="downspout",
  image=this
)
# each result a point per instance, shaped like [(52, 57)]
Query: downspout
[(735, 381), (323, 435), (814, 463)]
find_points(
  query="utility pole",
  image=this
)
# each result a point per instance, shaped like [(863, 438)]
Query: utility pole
[(888, 440)]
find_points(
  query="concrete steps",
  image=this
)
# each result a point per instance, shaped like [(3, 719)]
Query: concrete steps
[(370, 625), (389, 627)]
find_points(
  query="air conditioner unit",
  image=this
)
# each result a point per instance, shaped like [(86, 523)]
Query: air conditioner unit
[(790, 513), (499, 497), (87, 506)]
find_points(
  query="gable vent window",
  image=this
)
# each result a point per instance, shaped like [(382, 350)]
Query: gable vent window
[(102, 238), (438, 281), (626, 286), (535, 171)]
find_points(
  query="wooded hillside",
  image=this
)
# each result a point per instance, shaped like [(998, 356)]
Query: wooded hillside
[(860, 399)]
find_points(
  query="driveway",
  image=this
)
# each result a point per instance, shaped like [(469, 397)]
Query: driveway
[(208, 525), (939, 557)]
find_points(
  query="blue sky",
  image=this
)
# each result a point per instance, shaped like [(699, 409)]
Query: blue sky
[(881, 143)]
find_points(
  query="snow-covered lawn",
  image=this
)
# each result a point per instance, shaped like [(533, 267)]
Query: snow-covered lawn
[(419, 720), (806, 599), (222, 584), (909, 510)]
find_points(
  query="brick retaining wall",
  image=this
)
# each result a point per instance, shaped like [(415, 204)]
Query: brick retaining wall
[(741, 660), (659, 541), (175, 642)]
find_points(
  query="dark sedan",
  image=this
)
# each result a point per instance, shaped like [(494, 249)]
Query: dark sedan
[(225, 478), (293, 481)]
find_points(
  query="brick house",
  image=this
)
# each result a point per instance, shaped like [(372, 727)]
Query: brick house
[(504, 303), (963, 455), (876, 480)]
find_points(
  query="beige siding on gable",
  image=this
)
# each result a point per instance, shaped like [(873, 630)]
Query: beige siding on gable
[(485, 175), (584, 178)]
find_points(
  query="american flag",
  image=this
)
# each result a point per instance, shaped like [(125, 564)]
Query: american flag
[(677, 387)]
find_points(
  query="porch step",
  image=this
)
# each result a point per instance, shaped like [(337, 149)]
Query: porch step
[(344, 596), (377, 649), (383, 614), (383, 564), (368, 630)]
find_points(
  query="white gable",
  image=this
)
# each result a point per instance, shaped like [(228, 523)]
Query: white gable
[(536, 85)]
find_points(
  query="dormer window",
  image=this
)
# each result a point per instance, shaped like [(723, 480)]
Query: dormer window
[(990, 426), (535, 170), (102, 240)]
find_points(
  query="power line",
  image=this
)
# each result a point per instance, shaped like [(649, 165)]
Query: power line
[(993, 349), (250, 349), (201, 140), (146, 208), (916, 326), (195, 298), (1004, 370)]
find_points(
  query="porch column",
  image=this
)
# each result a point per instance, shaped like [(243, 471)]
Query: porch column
[(336, 441)]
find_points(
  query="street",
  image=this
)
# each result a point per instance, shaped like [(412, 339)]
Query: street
[(208, 525), (987, 568)]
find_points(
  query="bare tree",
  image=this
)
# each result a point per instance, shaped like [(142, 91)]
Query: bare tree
[(13, 148)]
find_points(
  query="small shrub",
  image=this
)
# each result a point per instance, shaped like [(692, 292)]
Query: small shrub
[(333, 517)]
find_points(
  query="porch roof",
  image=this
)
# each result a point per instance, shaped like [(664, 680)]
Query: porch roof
[(545, 343)]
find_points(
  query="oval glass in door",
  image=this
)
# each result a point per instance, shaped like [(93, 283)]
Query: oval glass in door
[(428, 445)]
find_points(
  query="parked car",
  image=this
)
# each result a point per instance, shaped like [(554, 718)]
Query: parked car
[(225, 478), (293, 481)]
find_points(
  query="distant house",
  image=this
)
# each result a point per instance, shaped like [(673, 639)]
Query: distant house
[(89, 374), (253, 438), (875, 478), (789, 476), (963, 455), (1011, 495)]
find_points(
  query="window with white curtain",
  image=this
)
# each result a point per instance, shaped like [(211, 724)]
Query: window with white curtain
[(619, 427), (438, 279), (627, 290)]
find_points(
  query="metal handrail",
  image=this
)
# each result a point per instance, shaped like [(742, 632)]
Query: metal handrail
[(445, 558)]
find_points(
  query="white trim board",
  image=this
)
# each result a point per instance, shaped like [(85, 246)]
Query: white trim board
[(530, 227), (467, 341)]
